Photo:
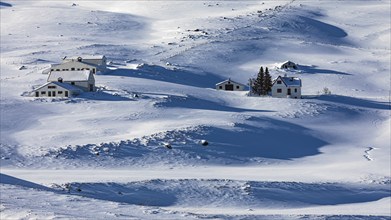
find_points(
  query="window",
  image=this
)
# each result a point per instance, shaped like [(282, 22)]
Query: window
[(43, 93), (59, 92), (57, 69), (237, 87), (51, 87), (87, 68), (78, 69), (278, 82), (51, 69), (295, 90), (64, 69), (72, 69), (220, 87), (36, 94), (279, 90), (72, 83)]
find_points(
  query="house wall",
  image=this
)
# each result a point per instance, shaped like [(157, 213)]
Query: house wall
[(295, 95), (284, 91), (73, 64), (84, 85), (237, 87), (275, 89), (58, 92), (100, 63)]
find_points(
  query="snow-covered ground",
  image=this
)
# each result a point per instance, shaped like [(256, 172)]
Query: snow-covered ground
[(102, 155)]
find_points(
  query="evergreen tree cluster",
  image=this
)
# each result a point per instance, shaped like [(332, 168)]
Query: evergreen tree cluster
[(261, 85)]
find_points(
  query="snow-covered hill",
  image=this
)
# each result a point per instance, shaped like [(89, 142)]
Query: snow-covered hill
[(103, 154)]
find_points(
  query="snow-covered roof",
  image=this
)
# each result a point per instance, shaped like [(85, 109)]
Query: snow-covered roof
[(85, 57), (290, 81), (288, 61), (59, 84), (81, 75), (228, 80)]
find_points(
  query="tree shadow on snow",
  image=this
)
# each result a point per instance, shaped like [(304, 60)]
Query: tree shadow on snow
[(315, 70), (356, 102), (177, 76)]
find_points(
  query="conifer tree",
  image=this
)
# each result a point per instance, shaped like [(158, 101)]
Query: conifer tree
[(267, 82), (259, 81)]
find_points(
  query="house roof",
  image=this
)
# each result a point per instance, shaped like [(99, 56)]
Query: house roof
[(228, 80), (85, 57), (62, 85), (82, 75), (288, 61), (289, 81), (90, 65)]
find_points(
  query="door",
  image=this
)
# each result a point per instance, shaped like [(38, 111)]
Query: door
[(91, 87), (289, 91), (54, 93), (50, 94), (66, 93), (229, 87), (36, 94)]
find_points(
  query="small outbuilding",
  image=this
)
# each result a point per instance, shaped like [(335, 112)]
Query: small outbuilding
[(286, 87), (83, 80), (288, 65), (56, 89), (230, 85)]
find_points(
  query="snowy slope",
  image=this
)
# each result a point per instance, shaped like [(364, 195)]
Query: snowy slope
[(318, 157)]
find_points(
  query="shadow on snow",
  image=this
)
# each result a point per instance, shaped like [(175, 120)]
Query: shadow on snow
[(356, 102), (184, 77), (192, 102), (261, 137), (314, 70)]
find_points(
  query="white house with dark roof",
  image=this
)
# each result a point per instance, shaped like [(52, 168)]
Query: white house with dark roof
[(230, 85), (56, 89), (288, 65), (83, 80), (287, 87)]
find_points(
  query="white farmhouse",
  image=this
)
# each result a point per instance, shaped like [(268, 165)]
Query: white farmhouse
[(286, 87), (288, 65), (73, 66), (56, 89), (230, 85), (99, 61), (83, 80)]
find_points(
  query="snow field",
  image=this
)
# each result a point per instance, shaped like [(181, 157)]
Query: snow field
[(321, 157)]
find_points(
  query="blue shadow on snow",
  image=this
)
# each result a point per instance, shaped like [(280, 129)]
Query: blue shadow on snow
[(356, 102), (177, 76)]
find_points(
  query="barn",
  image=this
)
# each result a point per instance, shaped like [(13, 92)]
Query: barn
[(230, 85)]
